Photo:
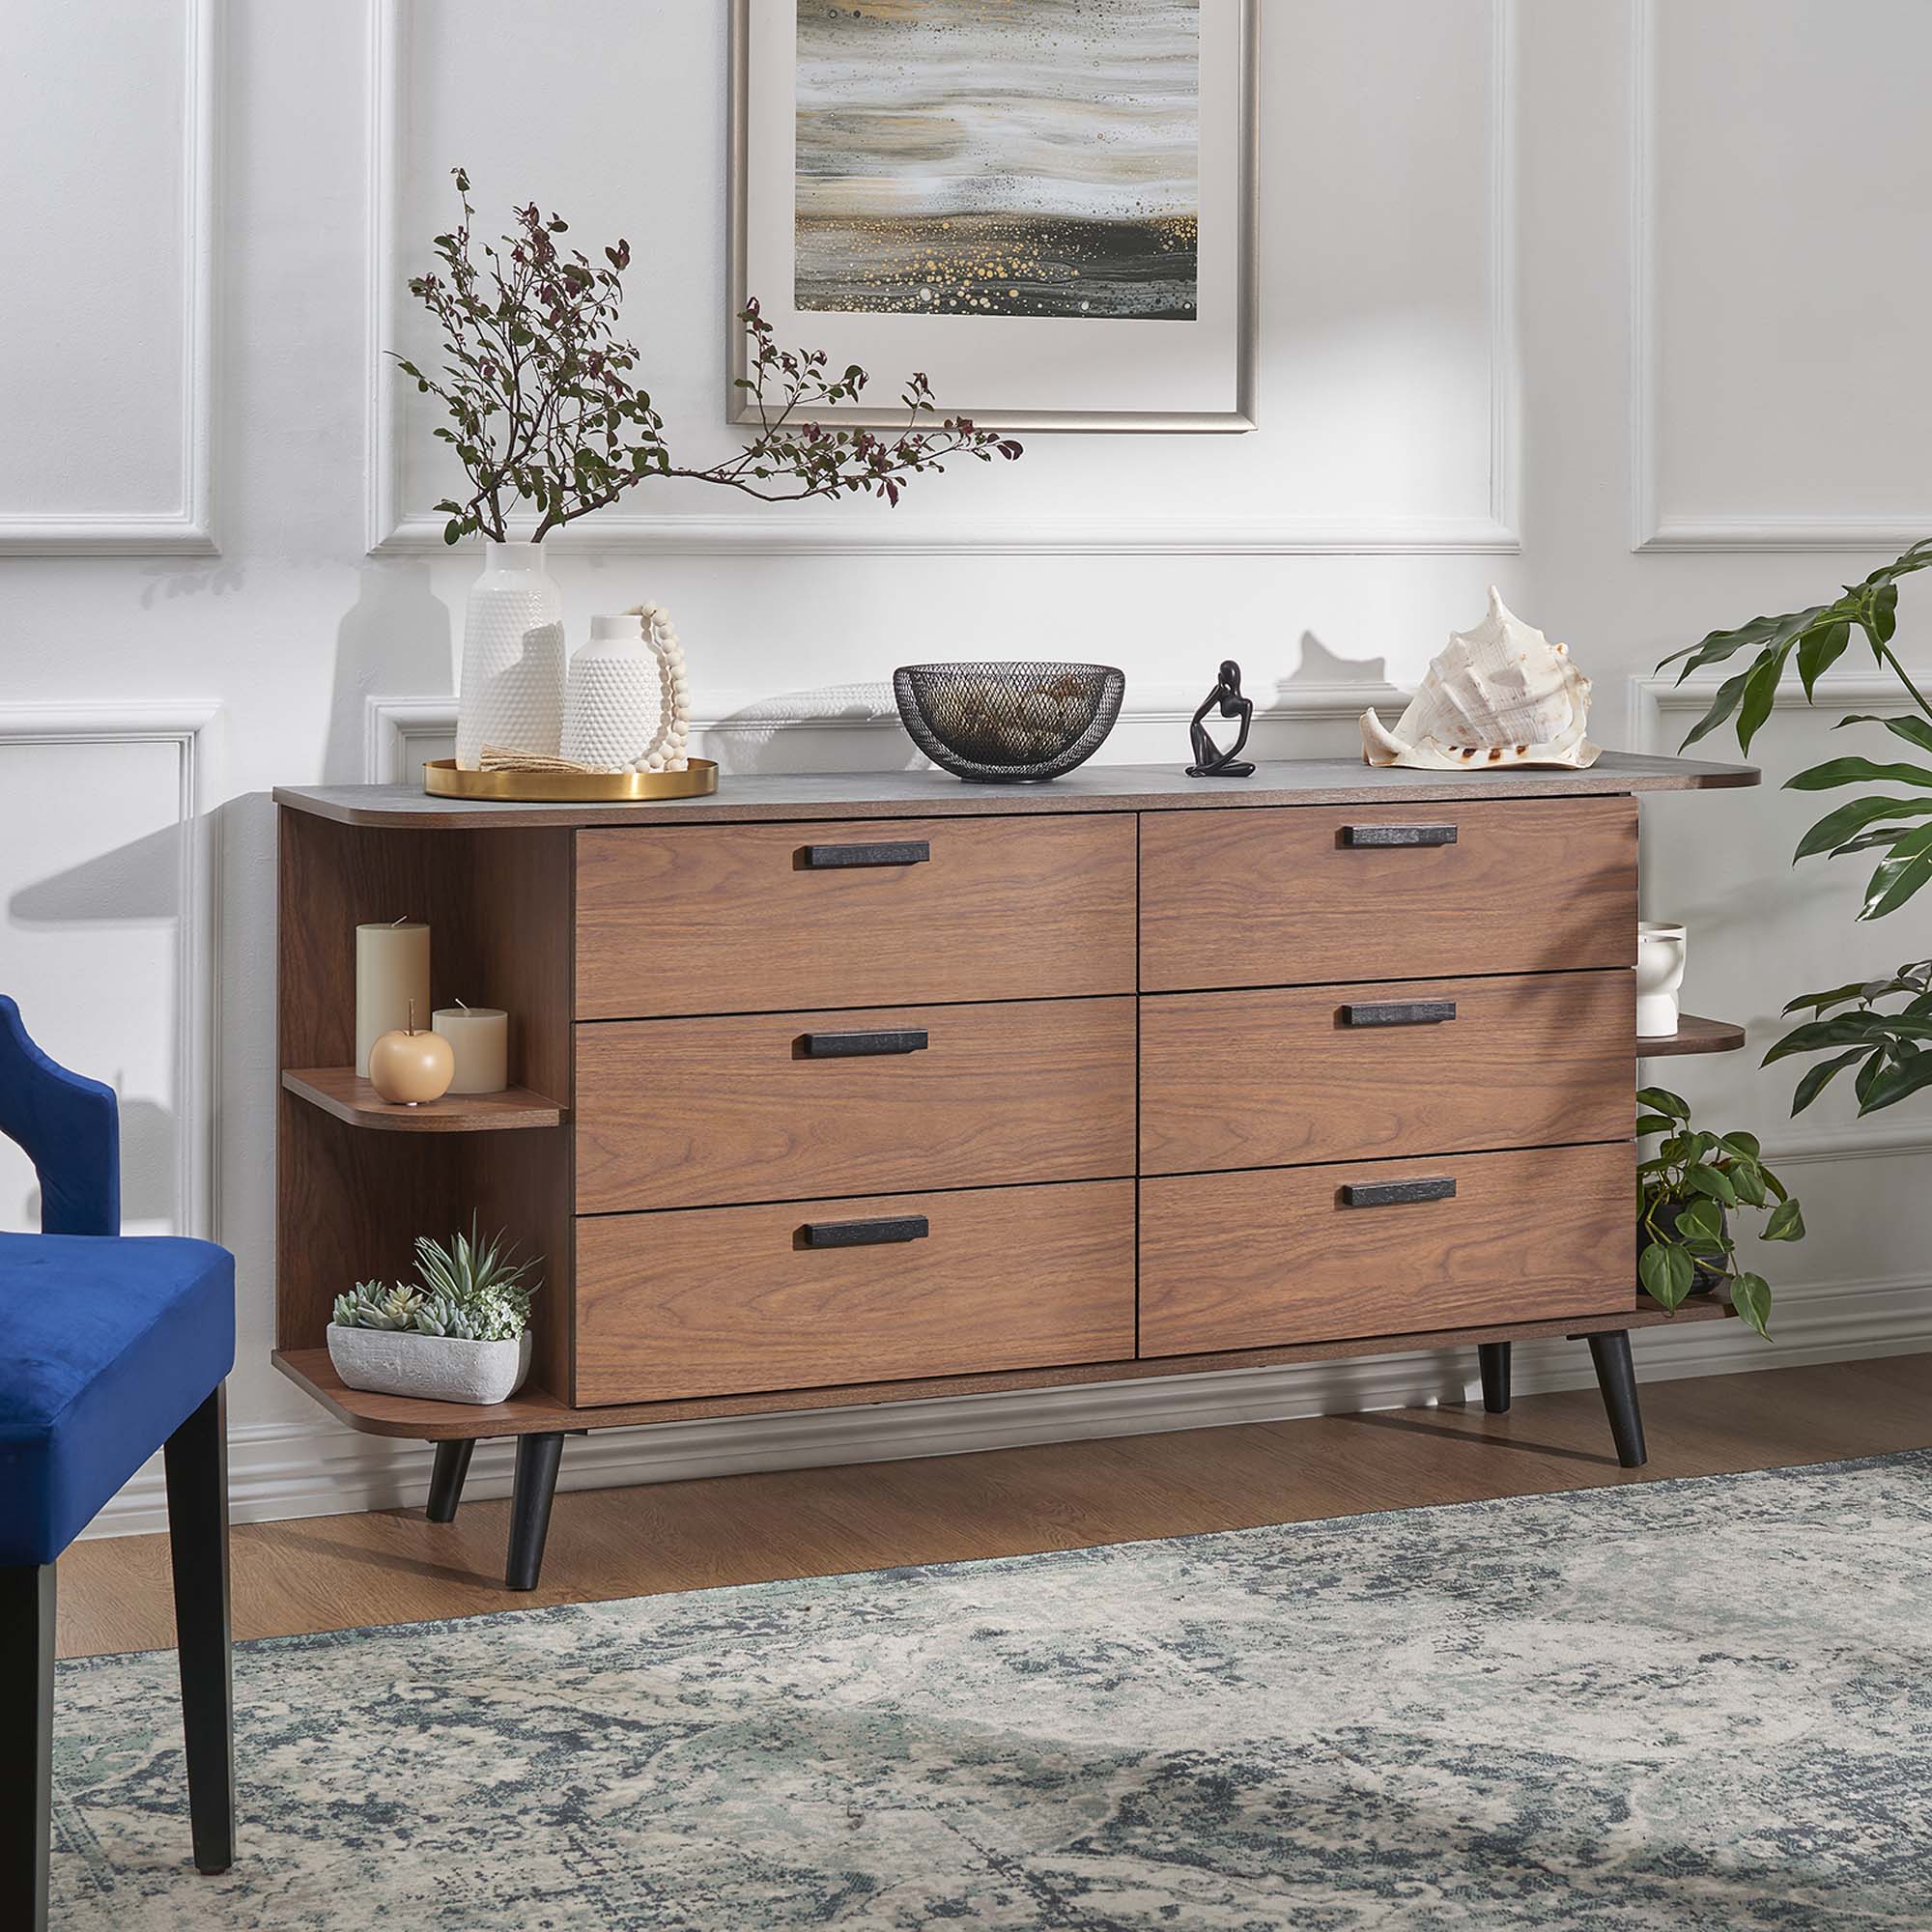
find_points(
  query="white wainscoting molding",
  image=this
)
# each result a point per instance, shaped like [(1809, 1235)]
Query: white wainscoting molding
[(395, 528), (188, 526), (191, 728), (1650, 531), (319, 1468), (393, 725)]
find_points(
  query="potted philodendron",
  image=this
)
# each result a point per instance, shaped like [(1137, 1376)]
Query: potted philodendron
[(460, 1332), (549, 424), (1686, 1192)]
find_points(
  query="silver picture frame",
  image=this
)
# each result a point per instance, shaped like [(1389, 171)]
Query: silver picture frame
[(1243, 416)]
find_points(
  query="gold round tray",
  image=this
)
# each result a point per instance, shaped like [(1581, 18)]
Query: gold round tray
[(442, 780)]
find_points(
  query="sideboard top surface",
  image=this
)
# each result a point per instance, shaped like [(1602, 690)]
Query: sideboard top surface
[(931, 794)]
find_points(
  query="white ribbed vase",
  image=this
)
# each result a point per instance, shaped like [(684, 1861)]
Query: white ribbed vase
[(512, 688), (610, 709)]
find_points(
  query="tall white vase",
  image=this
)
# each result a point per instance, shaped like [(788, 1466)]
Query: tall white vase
[(512, 688)]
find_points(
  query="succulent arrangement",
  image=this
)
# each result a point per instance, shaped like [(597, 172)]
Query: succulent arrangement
[(468, 1290), (545, 415), (1686, 1192)]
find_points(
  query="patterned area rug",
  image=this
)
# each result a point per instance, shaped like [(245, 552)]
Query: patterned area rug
[(1703, 1703)]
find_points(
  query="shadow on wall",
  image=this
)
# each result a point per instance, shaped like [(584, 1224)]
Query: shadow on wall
[(830, 728), (1321, 667), (147, 1160), (394, 640)]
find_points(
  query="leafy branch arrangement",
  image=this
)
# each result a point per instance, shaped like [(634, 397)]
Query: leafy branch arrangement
[(544, 410), (1686, 1191), (469, 1290), (1856, 1024)]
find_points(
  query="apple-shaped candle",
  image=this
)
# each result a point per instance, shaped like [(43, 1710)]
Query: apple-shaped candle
[(411, 1067)]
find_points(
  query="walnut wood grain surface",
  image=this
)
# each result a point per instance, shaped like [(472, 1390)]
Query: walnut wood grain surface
[(726, 1299), (729, 919), (692, 1113), (1693, 1036), (338, 1090), (1231, 1259), (1263, 1078), (1093, 787), (1279, 897)]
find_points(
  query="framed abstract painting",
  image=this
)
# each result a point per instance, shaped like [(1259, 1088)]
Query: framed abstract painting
[(1045, 206)]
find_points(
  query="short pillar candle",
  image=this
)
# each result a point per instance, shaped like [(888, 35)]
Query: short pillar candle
[(391, 970), (479, 1037)]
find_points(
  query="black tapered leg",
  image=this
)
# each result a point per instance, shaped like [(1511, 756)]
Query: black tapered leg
[(26, 1740), (537, 1460), (196, 1458), (445, 1483), (1495, 1360), (1616, 1377)]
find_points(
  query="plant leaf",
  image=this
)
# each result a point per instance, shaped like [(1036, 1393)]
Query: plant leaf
[(1787, 1223), (1660, 1101), (1750, 1297), (1821, 1076), (1897, 1082), (1857, 771)]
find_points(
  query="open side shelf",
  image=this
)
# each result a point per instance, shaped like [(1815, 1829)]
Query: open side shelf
[(1693, 1036), (341, 1091), (536, 1411)]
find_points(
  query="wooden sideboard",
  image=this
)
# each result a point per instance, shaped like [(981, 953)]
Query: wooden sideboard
[(865, 1087)]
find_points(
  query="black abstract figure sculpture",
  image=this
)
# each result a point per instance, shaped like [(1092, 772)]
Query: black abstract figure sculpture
[(1209, 760)]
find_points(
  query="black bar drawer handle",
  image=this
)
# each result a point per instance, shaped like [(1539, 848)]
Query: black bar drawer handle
[(859, 1045), (829, 857), (864, 1233), (1398, 834), (1392, 1193), (1398, 1012)]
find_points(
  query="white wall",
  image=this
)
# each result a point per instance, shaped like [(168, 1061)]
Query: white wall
[(1616, 305)]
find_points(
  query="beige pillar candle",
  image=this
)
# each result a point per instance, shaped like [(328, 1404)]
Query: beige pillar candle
[(479, 1037), (391, 969)]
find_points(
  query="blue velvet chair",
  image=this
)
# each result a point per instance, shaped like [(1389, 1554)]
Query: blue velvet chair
[(110, 1349)]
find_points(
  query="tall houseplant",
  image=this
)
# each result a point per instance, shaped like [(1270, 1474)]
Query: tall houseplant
[(1882, 1025), (549, 423)]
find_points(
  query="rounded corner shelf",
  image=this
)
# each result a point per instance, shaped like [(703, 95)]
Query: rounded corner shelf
[(1693, 1036)]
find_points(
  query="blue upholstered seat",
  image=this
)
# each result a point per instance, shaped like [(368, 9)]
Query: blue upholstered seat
[(106, 1347)]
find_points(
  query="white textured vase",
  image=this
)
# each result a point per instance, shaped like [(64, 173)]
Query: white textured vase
[(512, 688), (611, 708), (1659, 972), (435, 1368)]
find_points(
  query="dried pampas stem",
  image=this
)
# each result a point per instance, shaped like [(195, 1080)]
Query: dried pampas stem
[(500, 758)]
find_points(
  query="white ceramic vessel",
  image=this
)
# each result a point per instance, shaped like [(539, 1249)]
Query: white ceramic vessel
[(512, 687), (610, 709), (1659, 972), (434, 1368)]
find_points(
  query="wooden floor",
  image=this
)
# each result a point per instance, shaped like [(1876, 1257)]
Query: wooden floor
[(335, 1573)]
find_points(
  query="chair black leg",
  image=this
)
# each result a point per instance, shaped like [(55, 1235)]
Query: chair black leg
[(537, 1460), (26, 1740), (196, 1458), (1495, 1360), (1616, 1377), (445, 1483)]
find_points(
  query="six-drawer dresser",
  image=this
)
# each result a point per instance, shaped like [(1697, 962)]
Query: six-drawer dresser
[(864, 1087)]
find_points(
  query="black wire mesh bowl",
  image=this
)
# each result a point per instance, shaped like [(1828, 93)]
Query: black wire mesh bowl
[(1007, 722)]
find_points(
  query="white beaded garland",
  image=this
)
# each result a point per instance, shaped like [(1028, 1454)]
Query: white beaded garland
[(665, 752)]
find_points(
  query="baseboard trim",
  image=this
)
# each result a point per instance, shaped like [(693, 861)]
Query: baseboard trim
[(280, 1470)]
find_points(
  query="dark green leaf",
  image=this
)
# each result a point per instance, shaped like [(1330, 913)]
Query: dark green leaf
[(1750, 1297), (1723, 704), (1712, 1182), (1901, 876), (1857, 771), (1666, 1273), (1660, 1101), (1914, 730), (1653, 1123), (1742, 1143), (1819, 649), (1759, 696), (1897, 1082), (1821, 1076), (1844, 820), (1787, 1223)]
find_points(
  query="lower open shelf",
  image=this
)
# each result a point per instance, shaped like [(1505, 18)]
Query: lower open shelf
[(536, 1411), (1693, 1036)]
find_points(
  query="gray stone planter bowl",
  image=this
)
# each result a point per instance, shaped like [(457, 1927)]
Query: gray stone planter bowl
[(433, 1367)]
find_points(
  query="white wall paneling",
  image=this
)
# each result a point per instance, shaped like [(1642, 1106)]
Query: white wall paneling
[(1358, 405), (110, 422), (110, 942), (1777, 400)]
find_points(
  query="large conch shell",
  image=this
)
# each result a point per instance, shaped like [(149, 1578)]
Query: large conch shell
[(1499, 695)]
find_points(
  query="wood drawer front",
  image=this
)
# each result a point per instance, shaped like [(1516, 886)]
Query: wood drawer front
[(715, 919), (1276, 896), (1266, 1078), (778, 1107), (1244, 1261), (728, 1301)]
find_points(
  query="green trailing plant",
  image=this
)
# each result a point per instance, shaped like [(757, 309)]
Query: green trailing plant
[(546, 416), (467, 1289), (1686, 1193), (1882, 1025)]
